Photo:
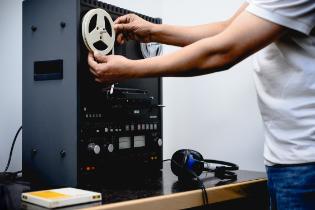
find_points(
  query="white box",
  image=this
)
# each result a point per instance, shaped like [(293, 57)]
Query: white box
[(61, 197)]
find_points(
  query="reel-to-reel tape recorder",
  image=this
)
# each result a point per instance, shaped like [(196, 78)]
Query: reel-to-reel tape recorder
[(77, 132)]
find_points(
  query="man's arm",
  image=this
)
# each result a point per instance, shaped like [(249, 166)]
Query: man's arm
[(183, 36), (243, 37), (133, 27)]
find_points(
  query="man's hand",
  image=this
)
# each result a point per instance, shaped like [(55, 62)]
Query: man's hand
[(133, 27), (109, 69)]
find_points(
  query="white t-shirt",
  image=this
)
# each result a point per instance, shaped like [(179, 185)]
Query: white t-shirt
[(285, 81)]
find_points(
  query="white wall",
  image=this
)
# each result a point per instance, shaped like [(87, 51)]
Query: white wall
[(10, 81), (216, 114)]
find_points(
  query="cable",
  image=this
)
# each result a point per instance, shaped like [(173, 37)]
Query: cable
[(201, 185), (203, 188), (9, 176), (11, 150)]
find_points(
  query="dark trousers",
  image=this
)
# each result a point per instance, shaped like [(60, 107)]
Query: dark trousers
[(292, 187)]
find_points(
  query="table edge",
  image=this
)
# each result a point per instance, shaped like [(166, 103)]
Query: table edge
[(188, 199)]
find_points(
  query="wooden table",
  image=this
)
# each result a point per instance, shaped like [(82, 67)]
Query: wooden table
[(165, 192), (249, 191)]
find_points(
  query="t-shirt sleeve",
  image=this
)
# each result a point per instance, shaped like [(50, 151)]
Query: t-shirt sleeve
[(298, 15)]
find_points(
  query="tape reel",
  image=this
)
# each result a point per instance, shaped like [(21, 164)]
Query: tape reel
[(151, 49), (98, 31)]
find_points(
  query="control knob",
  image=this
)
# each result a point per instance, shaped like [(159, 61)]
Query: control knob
[(110, 148), (160, 142), (94, 148)]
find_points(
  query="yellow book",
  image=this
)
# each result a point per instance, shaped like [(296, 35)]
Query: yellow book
[(61, 197)]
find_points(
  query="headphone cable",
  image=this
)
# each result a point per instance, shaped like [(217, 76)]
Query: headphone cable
[(11, 151), (201, 185)]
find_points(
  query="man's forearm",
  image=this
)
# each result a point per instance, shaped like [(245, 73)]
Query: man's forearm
[(196, 59), (183, 36), (216, 53)]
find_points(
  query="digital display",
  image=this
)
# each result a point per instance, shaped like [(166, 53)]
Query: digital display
[(139, 141), (48, 70), (124, 143)]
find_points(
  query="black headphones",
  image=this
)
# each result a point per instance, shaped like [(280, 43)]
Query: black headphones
[(187, 164)]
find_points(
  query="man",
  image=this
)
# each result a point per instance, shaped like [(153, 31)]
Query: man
[(283, 33)]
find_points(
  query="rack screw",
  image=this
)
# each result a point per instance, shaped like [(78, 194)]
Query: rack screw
[(34, 152), (34, 28), (62, 24), (63, 153)]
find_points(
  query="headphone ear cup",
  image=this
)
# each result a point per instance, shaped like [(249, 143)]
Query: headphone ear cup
[(195, 160), (178, 162), (186, 164)]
